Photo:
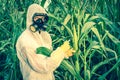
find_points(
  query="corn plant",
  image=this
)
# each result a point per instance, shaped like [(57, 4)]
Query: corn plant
[(88, 33), (11, 22)]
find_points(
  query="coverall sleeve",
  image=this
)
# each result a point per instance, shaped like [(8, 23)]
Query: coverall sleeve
[(41, 63)]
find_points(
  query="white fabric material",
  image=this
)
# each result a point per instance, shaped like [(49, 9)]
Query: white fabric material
[(36, 66)]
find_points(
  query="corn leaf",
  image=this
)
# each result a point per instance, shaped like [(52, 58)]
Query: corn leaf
[(114, 39), (43, 2), (67, 18), (102, 77), (98, 36), (100, 64), (87, 27), (67, 65)]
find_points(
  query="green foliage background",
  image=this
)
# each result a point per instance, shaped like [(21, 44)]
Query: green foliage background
[(92, 26)]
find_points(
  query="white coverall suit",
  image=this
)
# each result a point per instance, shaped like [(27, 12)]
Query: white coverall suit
[(37, 66)]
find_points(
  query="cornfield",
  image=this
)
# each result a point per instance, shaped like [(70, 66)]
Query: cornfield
[(91, 26)]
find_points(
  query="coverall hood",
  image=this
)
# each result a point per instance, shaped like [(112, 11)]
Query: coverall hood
[(34, 8)]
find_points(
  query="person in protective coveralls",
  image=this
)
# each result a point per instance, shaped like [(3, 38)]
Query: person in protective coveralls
[(37, 66)]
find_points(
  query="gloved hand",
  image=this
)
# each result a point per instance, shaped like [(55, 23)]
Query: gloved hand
[(69, 53), (65, 47), (67, 50)]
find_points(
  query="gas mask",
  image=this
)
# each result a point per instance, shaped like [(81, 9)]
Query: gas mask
[(39, 21)]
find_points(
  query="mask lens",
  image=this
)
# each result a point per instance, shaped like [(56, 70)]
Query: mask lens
[(38, 21), (46, 18)]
